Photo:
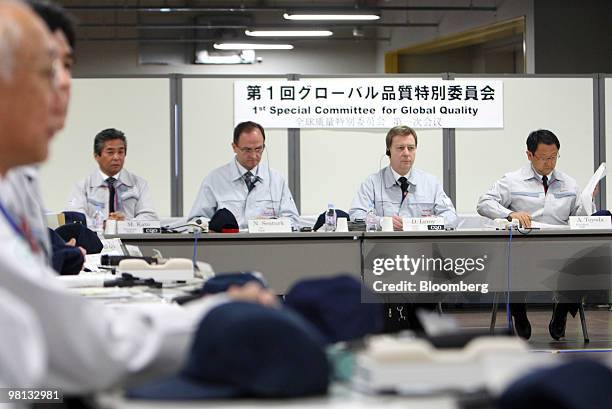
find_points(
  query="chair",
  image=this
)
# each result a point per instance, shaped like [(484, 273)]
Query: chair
[(585, 332)]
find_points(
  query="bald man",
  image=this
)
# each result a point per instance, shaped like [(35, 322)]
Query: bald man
[(89, 346), (21, 192)]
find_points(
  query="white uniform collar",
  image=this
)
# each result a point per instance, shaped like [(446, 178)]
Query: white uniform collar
[(105, 176), (396, 175), (242, 170), (549, 176)]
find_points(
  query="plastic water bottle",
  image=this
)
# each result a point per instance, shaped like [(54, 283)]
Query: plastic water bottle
[(98, 219), (330, 218), (371, 221)]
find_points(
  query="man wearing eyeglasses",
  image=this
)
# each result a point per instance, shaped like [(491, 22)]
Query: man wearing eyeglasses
[(245, 186), (536, 192), (399, 190)]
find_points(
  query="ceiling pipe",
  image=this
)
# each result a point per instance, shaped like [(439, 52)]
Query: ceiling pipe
[(203, 40), (244, 26), (165, 9)]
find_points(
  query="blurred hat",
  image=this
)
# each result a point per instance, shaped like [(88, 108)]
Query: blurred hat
[(222, 282), (576, 385), (75, 217), (334, 306), (66, 260), (84, 237), (247, 350), (223, 221)]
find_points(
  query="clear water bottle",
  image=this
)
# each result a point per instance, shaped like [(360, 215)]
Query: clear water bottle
[(371, 220), (330, 218), (98, 219)]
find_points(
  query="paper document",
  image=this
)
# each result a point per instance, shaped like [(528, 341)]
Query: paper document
[(546, 226), (92, 262), (85, 280), (112, 247), (586, 197)]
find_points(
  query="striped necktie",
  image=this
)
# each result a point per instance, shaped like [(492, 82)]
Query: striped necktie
[(250, 180)]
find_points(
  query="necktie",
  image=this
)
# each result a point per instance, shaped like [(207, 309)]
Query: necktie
[(404, 185), (545, 183), (249, 180), (111, 194)]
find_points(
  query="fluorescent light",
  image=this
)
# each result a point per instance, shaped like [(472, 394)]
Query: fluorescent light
[(165, 10), (346, 16), (288, 33), (242, 57), (247, 46)]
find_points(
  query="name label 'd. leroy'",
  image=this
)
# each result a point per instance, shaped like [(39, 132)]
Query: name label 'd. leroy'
[(423, 223), (590, 222), (138, 226), (280, 225)]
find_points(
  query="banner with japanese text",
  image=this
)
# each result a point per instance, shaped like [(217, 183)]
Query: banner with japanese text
[(370, 103)]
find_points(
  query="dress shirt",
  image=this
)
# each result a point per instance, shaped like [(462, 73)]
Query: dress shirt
[(92, 346), (23, 355), (523, 191), (20, 194), (382, 192), (132, 193), (224, 187)]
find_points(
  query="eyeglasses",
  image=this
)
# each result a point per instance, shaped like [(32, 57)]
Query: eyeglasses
[(549, 158), (258, 150)]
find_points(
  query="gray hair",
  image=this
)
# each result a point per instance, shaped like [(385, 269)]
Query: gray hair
[(10, 38)]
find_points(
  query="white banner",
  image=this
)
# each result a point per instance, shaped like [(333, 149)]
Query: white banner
[(370, 103)]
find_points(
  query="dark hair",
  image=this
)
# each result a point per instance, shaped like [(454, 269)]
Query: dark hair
[(108, 135), (55, 17), (541, 136), (246, 127), (401, 131)]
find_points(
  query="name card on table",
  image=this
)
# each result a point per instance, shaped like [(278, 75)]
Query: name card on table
[(590, 222), (423, 223), (138, 226), (280, 225)]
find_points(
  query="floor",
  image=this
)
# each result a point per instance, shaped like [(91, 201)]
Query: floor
[(599, 327)]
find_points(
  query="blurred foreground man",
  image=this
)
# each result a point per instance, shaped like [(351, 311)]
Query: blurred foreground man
[(89, 346)]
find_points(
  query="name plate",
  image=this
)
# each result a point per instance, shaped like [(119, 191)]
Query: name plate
[(423, 224), (138, 226), (590, 222), (280, 225)]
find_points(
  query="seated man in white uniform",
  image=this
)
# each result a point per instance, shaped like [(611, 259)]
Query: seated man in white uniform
[(245, 186), (399, 190), (120, 194), (536, 192), (71, 342)]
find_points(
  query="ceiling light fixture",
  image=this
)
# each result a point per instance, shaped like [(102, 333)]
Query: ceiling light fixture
[(288, 33), (319, 16), (250, 46), (241, 57)]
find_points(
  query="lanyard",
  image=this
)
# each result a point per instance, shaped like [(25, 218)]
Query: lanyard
[(25, 234), (11, 221)]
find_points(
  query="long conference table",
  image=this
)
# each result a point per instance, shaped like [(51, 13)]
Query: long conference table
[(538, 260)]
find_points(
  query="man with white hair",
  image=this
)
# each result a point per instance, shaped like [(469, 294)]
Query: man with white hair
[(21, 192), (89, 345)]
